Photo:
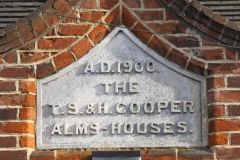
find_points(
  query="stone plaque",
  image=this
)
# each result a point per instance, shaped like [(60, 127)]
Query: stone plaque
[(121, 95)]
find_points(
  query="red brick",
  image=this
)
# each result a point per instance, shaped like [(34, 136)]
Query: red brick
[(196, 67), (44, 70), (159, 157), (76, 155), (159, 46), (25, 29), (227, 153), (233, 82), (150, 15), (71, 30), (7, 86), (38, 23), (113, 17), (42, 155), (51, 19), (220, 125), (11, 57), (31, 57), (142, 32), (164, 28), (215, 82), (82, 47), (234, 110), (7, 142), (29, 46), (152, 4), (27, 86), (98, 33), (235, 139), (62, 60), (88, 4), (216, 111), (177, 57), (27, 141), (211, 54), (17, 72), (183, 41), (61, 6), (128, 19), (27, 113), (18, 100), (224, 68), (16, 127), (13, 155), (106, 4), (8, 114), (71, 18), (224, 96), (55, 43), (194, 155), (133, 3), (218, 139), (15, 43), (15, 99), (91, 16), (11, 35), (231, 54)]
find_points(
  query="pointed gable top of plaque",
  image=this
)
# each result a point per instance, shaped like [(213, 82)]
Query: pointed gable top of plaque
[(127, 34)]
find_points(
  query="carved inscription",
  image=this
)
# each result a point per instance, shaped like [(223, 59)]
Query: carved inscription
[(121, 95), (131, 108)]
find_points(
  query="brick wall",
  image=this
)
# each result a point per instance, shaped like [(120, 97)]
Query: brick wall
[(63, 31)]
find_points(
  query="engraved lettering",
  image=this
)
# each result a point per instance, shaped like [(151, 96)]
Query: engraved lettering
[(89, 68), (154, 128), (175, 107), (72, 109), (128, 128), (168, 128), (120, 86), (120, 108), (56, 129), (55, 109), (106, 87), (102, 108), (148, 107), (182, 128), (134, 108), (138, 67), (162, 105), (116, 126), (128, 66), (133, 87), (104, 67), (141, 128), (94, 129), (66, 131), (90, 109), (81, 129), (150, 67), (188, 106)]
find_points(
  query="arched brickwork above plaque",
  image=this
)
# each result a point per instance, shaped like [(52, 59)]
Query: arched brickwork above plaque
[(60, 27)]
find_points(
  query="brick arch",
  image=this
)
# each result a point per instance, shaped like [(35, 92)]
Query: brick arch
[(205, 20), (36, 24), (32, 29)]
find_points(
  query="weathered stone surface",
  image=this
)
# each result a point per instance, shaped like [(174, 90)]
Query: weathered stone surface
[(72, 99)]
